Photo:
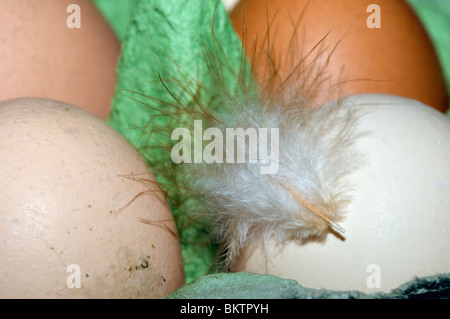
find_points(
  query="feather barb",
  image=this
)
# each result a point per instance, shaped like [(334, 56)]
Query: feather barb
[(333, 225)]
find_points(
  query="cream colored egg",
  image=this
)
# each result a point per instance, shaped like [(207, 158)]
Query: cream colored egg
[(80, 214), (398, 224)]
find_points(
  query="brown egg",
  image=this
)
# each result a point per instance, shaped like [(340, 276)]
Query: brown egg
[(81, 215), (44, 54), (347, 47)]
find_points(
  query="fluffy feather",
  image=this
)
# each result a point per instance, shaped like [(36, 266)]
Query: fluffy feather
[(315, 157), (307, 195)]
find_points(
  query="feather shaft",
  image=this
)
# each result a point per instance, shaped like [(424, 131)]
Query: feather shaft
[(334, 225)]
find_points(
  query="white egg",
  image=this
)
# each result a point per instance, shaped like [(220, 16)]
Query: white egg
[(81, 215), (398, 222)]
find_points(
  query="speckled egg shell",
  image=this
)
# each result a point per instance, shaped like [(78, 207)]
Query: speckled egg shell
[(81, 215)]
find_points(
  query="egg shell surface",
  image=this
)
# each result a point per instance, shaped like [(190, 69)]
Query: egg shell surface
[(81, 214), (398, 223), (62, 50), (341, 47)]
